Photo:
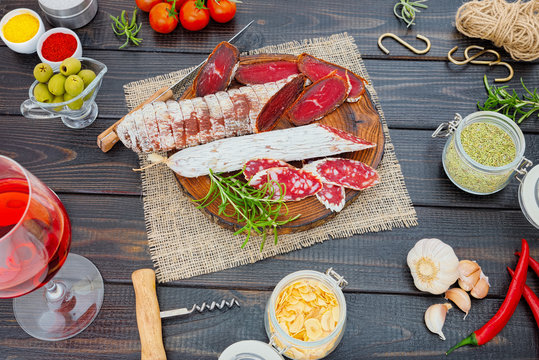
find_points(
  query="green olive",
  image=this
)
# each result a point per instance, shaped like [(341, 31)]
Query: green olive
[(56, 84), (42, 93), (74, 85), (74, 105), (58, 99), (70, 66), (87, 76), (43, 72)]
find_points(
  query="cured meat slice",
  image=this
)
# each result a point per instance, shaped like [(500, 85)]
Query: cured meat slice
[(190, 123), (229, 114), (123, 133), (165, 129), (349, 173), (254, 104), (152, 129), (176, 118), (254, 166), (141, 134), (263, 68), (204, 122), (242, 124), (217, 72), (319, 99), (297, 143), (279, 103), (333, 197), (216, 117), (132, 130), (290, 183), (315, 69)]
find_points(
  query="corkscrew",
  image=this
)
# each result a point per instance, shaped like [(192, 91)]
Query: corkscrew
[(200, 308)]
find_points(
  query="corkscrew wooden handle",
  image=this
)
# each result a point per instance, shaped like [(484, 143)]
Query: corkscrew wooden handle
[(148, 318)]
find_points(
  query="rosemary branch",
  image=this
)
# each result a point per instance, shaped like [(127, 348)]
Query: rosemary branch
[(121, 26), (509, 104), (408, 10), (255, 208)]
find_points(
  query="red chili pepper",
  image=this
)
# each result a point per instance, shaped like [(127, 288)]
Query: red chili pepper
[(506, 310), (532, 262), (531, 299)]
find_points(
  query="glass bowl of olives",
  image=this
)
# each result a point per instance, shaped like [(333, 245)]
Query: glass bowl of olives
[(68, 94)]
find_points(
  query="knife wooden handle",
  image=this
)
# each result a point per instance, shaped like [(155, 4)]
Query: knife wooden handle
[(108, 138), (148, 318)]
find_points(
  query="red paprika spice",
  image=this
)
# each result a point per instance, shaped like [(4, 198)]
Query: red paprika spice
[(59, 46)]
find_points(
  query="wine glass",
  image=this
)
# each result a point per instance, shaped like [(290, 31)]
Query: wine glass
[(35, 236)]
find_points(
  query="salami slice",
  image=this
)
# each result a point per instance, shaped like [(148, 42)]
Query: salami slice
[(253, 166), (319, 99), (349, 173), (132, 130), (254, 104), (190, 123), (152, 130), (242, 124), (297, 143), (165, 129), (216, 117), (142, 135), (315, 69), (123, 133), (271, 88), (217, 72), (262, 68), (204, 123), (295, 184), (229, 114), (176, 123), (333, 197)]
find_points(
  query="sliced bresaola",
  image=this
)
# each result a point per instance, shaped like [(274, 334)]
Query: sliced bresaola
[(263, 68), (319, 99), (217, 72), (316, 69), (279, 103), (332, 196), (296, 184), (254, 166), (349, 173)]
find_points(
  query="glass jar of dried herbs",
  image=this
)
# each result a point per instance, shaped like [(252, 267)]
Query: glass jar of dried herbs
[(483, 152)]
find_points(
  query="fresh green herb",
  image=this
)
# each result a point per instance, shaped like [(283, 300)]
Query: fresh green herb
[(509, 104), (252, 207), (488, 144), (121, 26), (406, 10)]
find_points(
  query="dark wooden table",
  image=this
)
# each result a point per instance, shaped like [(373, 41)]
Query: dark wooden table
[(385, 311)]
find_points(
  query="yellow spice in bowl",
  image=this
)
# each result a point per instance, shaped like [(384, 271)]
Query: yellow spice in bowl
[(21, 28)]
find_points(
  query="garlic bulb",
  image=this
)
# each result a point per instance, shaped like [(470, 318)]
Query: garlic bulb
[(433, 265), (460, 298), (435, 318)]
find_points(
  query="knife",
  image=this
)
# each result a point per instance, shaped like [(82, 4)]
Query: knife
[(108, 138)]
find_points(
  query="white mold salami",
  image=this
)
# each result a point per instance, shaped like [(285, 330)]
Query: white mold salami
[(216, 117), (176, 118), (241, 108), (229, 114), (254, 104), (203, 116), (152, 129), (141, 133), (190, 123), (165, 129)]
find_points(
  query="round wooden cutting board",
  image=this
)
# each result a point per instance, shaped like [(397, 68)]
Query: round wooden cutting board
[(359, 118)]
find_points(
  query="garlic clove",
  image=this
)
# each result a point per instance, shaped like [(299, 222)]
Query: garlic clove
[(460, 298), (435, 318), (467, 267), (481, 288), (469, 273)]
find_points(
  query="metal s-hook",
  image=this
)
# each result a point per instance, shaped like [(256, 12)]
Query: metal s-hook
[(482, 62), (404, 43), (468, 59), (509, 67)]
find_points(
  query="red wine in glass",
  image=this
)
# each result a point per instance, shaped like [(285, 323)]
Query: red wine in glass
[(57, 294)]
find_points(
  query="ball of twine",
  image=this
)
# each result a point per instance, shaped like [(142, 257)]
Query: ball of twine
[(515, 26)]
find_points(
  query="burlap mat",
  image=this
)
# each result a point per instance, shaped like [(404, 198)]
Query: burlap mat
[(184, 243)]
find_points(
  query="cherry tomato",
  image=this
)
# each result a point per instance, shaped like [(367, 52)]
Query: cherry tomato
[(193, 16), (160, 20), (147, 5), (222, 11), (179, 4)]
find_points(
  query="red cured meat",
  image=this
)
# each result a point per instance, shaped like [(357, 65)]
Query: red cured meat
[(319, 99), (254, 166), (316, 69), (215, 75), (332, 196), (264, 72), (296, 183), (349, 173), (278, 104)]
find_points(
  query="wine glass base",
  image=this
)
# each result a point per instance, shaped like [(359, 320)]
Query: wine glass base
[(54, 321), (86, 119)]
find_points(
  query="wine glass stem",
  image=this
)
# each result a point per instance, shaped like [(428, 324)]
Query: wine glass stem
[(55, 293)]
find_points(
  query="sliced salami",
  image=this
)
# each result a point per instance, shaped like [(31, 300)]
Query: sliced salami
[(291, 183), (152, 129), (142, 135), (123, 133), (254, 104), (164, 124), (217, 72), (261, 93), (253, 166), (229, 114), (333, 197), (349, 173), (216, 117), (241, 108), (271, 88), (176, 118), (190, 123), (204, 123)]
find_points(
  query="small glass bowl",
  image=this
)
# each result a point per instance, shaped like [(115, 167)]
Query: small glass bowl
[(29, 46), (56, 64), (75, 119)]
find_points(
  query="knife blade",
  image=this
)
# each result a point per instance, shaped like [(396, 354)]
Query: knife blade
[(175, 88)]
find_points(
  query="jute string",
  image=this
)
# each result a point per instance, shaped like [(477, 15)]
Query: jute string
[(513, 26), (184, 243)]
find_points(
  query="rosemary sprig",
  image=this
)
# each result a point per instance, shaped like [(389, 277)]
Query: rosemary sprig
[(252, 207), (121, 26), (408, 10), (509, 104)]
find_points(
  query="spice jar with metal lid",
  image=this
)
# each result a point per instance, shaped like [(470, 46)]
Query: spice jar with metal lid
[(304, 319), (528, 195), (71, 14), (483, 152)]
